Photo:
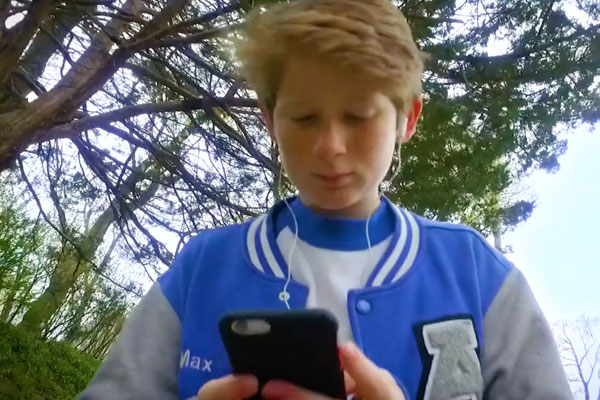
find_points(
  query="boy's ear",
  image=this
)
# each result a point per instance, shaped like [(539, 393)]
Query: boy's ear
[(267, 117), (406, 132)]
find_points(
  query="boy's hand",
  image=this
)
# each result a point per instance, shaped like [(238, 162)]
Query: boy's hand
[(230, 387), (363, 379)]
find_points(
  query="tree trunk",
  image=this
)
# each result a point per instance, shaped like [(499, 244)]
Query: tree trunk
[(17, 38), (498, 240), (45, 43)]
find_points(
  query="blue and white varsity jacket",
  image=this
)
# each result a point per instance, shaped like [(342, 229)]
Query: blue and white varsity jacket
[(445, 313)]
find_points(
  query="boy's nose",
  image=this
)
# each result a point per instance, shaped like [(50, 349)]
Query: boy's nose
[(331, 141)]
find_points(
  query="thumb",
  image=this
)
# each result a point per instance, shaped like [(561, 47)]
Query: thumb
[(372, 382)]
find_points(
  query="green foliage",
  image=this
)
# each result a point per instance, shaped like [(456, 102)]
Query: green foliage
[(91, 317), (23, 244), (36, 370), (30, 259)]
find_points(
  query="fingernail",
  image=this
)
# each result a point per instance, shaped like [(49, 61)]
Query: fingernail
[(246, 377), (245, 386)]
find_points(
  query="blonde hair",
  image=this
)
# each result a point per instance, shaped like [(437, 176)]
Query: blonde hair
[(370, 35)]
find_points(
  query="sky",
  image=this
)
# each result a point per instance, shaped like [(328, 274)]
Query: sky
[(558, 247)]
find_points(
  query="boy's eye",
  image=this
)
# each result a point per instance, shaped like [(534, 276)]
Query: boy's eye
[(355, 117), (304, 118)]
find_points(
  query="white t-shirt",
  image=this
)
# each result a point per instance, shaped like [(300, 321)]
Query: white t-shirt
[(330, 274)]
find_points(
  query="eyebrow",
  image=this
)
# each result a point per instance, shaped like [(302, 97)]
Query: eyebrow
[(295, 103), (362, 102)]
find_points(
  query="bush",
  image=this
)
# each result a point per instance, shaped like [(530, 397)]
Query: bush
[(33, 369)]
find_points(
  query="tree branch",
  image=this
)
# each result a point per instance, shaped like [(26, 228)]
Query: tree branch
[(141, 71), (515, 56), (203, 19), (17, 38), (194, 38), (73, 129), (92, 70)]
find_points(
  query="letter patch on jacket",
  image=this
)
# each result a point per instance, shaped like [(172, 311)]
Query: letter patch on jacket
[(451, 368)]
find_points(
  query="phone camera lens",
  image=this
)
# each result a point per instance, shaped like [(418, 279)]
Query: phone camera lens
[(240, 326)]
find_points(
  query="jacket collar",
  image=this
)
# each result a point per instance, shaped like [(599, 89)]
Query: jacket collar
[(396, 261)]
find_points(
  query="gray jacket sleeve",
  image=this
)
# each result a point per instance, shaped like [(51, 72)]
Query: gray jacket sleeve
[(143, 362), (520, 359)]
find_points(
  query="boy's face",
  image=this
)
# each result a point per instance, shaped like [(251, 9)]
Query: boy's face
[(336, 131)]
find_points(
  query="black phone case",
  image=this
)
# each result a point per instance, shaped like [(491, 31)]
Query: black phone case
[(300, 348)]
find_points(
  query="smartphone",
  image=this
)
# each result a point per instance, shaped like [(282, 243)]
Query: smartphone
[(298, 346)]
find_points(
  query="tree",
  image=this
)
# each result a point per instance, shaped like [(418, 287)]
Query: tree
[(579, 345), (131, 29), (488, 119), (160, 74)]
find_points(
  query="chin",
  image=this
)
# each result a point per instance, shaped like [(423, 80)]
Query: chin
[(332, 200)]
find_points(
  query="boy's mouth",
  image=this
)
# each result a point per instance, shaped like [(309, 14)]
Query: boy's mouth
[(334, 179)]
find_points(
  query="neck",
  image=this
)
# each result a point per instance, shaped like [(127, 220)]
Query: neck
[(359, 210), (336, 233)]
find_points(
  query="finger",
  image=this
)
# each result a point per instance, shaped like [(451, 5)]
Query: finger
[(231, 387), (349, 383), (371, 381), (280, 390)]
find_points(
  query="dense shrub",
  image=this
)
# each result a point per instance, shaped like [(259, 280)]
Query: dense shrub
[(34, 370)]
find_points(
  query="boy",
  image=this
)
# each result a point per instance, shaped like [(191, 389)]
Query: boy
[(436, 312)]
